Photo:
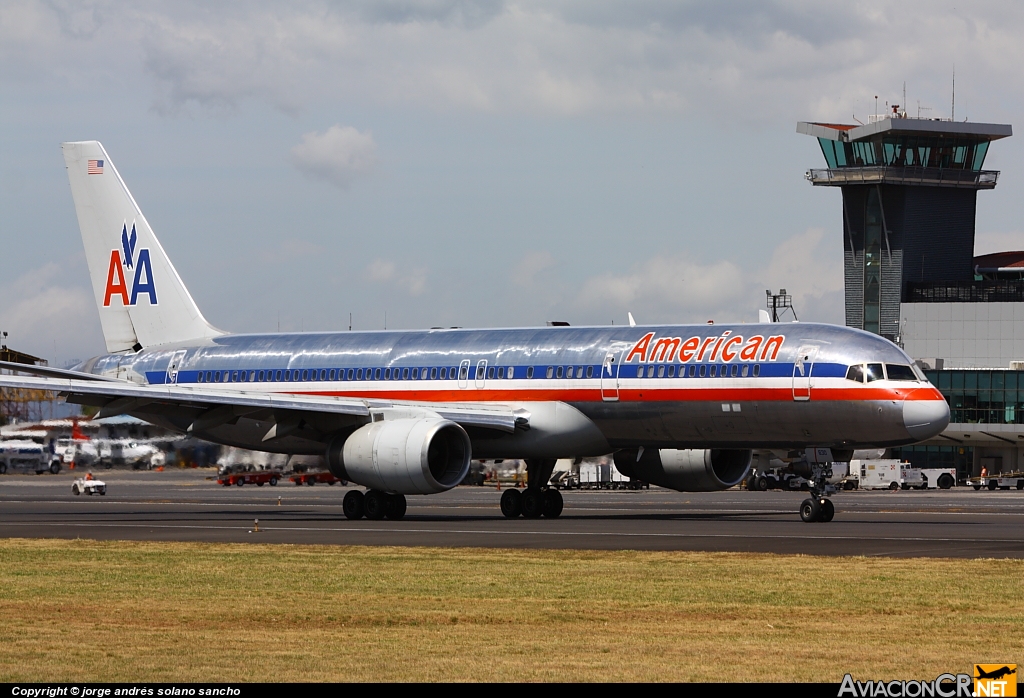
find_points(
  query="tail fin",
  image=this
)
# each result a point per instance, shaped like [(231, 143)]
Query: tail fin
[(141, 299)]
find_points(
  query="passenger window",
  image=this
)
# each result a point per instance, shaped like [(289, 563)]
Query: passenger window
[(323, 374), (200, 376), (433, 373), (703, 371), (671, 371), (376, 374), (855, 373), (692, 371), (590, 371), (757, 370), (714, 371), (559, 372), (501, 371), (387, 374), (735, 371), (359, 374), (305, 375), (900, 372), (415, 373), (579, 371), (550, 372), (490, 372), (875, 372), (405, 374), (661, 371), (529, 371)]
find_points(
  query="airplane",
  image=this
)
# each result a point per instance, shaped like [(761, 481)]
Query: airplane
[(403, 412)]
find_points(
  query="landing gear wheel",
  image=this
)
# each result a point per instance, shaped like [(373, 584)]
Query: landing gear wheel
[(511, 504), (810, 510), (395, 507), (828, 511), (553, 503), (352, 505), (761, 483), (375, 504), (533, 503)]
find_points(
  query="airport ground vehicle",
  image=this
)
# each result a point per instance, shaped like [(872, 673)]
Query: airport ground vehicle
[(254, 477), (939, 478), (887, 474), (404, 412), (84, 485), (999, 481), (22, 454), (313, 478)]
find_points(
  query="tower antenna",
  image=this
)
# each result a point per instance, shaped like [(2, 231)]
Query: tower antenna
[(952, 105)]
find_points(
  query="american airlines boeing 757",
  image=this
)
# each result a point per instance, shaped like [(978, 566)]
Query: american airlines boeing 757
[(403, 412)]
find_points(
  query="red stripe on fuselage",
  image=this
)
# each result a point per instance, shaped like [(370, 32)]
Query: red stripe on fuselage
[(724, 394)]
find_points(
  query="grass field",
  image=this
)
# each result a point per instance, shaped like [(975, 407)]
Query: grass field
[(128, 611)]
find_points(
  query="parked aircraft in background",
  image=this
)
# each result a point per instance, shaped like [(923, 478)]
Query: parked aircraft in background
[(402, 412)]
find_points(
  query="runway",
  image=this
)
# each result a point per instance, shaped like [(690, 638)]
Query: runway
[(184, 505)]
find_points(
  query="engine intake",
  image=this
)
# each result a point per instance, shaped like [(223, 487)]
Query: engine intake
[(690, 470), (404, 456)]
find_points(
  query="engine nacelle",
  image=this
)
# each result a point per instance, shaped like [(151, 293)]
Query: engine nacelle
[(691, 470), (406, 456)]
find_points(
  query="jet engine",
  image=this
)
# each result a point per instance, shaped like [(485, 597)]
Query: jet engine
[(691, 470), (403, 456)]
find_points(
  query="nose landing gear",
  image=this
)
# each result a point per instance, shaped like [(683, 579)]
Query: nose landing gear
[(818, 507)]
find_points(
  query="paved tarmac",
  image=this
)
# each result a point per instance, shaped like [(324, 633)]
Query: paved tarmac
[(185, 505)]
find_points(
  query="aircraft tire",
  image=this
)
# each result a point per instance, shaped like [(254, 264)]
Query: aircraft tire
[(553, 503), (761, 484), (533, 503), (511, 504), (828, 511), (352, 505), (810, 510), (375, 505), (395, 507)]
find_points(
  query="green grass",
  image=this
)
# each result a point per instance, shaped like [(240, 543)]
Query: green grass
[(130, 611)]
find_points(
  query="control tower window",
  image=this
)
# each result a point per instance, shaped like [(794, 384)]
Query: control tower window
[(872, 261)]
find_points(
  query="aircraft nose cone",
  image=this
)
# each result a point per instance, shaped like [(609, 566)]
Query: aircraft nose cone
[(925, 418)]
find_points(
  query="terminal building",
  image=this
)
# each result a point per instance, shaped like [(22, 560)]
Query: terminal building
[(909, 198)]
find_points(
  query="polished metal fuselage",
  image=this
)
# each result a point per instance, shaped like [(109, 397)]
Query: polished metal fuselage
[(586, 390)]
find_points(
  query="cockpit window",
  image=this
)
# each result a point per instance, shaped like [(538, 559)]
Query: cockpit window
[(875, 372), (856, 373), (900, 372)]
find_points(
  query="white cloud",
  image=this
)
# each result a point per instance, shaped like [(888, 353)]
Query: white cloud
[(412, 281), (39, 311), (685, 289), (338, 155), (740, 60)]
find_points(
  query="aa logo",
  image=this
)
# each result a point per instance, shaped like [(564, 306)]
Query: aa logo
[(995, 680), (142, 280)]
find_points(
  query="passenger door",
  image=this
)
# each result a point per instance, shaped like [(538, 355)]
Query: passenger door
[(802, 373), (610, 375), (173, 365)]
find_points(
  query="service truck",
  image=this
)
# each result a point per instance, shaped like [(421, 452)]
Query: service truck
[(22, 454), (887, 474), (998, 481)]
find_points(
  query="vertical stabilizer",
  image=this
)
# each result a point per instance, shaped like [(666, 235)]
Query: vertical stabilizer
[(141, 299)]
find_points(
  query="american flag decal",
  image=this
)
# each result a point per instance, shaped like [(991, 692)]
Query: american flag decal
[(95, 167)]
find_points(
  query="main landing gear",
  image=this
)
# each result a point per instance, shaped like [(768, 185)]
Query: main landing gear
[(537, 499), (374, 505), (818, 507)]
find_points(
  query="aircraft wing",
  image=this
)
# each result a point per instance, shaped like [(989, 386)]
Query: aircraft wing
[(218, 406)]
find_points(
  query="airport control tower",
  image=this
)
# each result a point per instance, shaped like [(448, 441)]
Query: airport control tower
[(910, 188)]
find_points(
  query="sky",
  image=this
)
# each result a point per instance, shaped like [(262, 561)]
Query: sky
[(423, 163)]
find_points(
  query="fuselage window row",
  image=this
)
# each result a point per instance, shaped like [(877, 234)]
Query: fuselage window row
[(858, 373)]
